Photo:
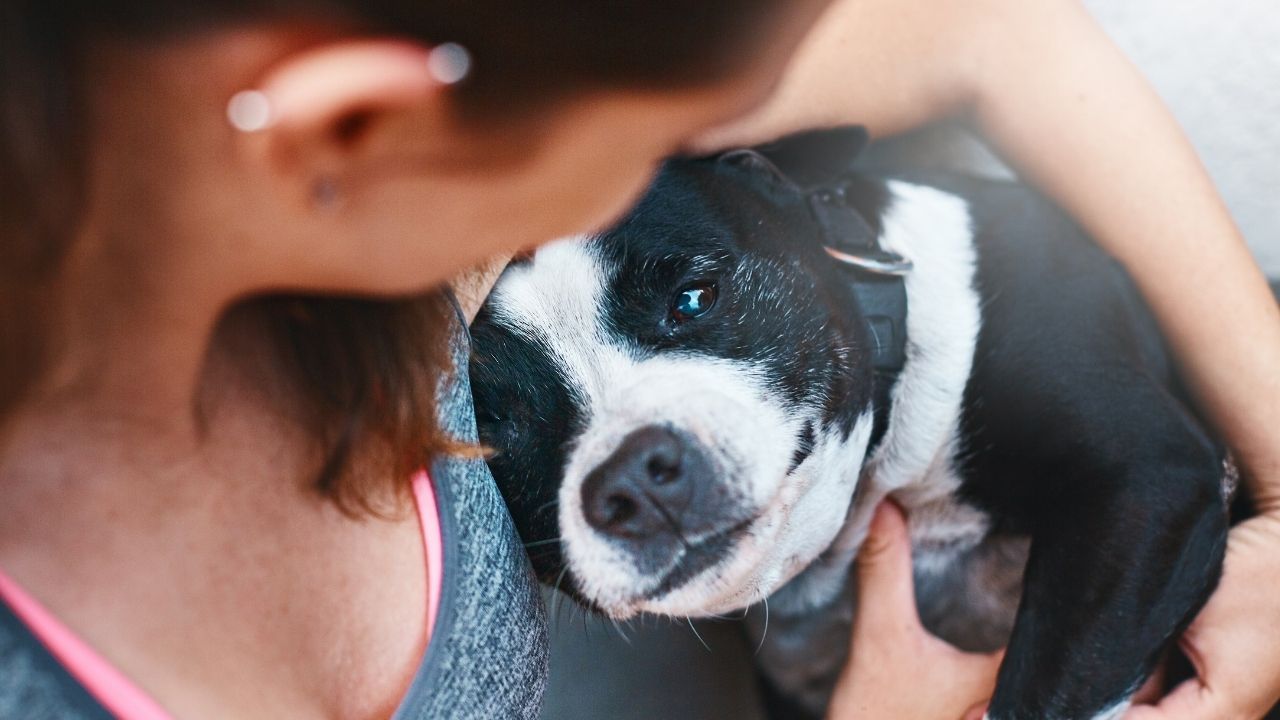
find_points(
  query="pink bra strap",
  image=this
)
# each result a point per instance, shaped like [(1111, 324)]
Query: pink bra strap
[(117, 693), (432, 543), (107, 685)]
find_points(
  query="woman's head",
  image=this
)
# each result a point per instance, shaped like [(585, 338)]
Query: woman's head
[(120, 172)]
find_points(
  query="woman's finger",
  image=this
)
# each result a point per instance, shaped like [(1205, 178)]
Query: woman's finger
[(977, 712), (1189, 701), (886, 592), (896, 668)]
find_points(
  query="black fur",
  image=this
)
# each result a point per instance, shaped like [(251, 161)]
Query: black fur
[(518, 394), (1075, 430), (731, 224), (1078, 435)]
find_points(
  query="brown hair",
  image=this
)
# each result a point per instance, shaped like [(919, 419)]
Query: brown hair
[(368, 368)]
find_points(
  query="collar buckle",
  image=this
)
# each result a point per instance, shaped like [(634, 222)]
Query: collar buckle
[(881, 262), (849, 239)]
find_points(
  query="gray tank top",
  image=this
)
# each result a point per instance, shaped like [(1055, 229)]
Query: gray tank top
[(487, 658), (488, 653)]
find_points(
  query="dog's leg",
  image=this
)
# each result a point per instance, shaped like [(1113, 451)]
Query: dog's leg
[(1126, 547)]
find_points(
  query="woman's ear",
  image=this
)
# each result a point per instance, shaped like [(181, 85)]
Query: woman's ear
[(311, 107)]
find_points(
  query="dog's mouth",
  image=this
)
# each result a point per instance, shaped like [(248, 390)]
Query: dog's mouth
[(697, 558)]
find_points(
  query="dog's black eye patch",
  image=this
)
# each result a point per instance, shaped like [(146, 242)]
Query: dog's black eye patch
[(693, 302)]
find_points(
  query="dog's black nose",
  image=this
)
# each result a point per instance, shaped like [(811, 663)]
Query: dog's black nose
[(644, 487)]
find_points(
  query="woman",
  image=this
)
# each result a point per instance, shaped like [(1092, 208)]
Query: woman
[(207, 452), (206, 467)]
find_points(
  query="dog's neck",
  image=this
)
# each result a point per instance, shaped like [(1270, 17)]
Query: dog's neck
[(914, 460)]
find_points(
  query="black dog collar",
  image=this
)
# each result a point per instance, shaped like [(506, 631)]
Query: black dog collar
[(877, 278)]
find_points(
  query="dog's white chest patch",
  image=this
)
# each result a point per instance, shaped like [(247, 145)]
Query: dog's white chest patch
[(915, 461), (934, 230), (558, 301)]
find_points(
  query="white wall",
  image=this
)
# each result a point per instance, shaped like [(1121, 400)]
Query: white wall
[(1217, 65)]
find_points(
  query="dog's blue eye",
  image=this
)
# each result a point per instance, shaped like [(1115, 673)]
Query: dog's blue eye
[(693, 302)]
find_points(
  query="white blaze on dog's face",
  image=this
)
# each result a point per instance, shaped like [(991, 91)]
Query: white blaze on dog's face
[(678, 414)]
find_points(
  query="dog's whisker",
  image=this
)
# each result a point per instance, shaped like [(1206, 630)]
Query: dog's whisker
[(546, 506), (718, 616), (540, 543), (765, 633), (695, 634), (558, 595), (626, 638)]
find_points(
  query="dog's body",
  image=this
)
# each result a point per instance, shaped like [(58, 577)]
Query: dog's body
[(684, 417)]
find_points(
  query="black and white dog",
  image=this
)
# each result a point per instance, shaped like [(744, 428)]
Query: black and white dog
[(699, 410)]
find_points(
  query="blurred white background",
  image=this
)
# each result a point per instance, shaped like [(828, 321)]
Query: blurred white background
[(1217, 65)]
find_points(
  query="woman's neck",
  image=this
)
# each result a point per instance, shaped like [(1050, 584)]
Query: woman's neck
[(171, 524), (127, 428)]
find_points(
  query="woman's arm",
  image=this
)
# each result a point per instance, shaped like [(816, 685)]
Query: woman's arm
[(1067, 110), (1077, 119)]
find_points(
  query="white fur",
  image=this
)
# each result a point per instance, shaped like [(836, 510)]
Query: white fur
[(794, 528), (555, 301), (749, 433), (934, 230), (1114, 712), (914, 461), (722, 404)]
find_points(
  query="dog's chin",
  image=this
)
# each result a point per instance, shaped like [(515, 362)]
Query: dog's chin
[(715, 592), (695, 587), (707, 596), (791, 526)]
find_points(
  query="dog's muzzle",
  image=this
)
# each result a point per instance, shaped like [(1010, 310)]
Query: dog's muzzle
[(658, 494)]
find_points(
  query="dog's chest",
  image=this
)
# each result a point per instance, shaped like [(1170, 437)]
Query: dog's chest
[(916, 463), (941, 524), (968, 581)]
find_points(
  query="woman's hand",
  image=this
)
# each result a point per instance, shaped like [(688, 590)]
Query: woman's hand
[(1234, 643), (896, 668)]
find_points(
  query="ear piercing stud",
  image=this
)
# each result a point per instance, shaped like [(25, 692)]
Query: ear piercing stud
[(449, 63), (250, 111)]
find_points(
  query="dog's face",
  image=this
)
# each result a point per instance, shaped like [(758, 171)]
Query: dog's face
[(678, 409)]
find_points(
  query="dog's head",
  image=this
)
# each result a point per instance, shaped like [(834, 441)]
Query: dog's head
[(678, 409)]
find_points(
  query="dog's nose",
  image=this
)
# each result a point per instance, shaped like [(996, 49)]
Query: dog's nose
[(644, 487)]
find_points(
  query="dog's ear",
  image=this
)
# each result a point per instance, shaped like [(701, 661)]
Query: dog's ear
[(817, 157), (753, 161)]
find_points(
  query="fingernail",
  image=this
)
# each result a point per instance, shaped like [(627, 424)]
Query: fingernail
[(885, 513)]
